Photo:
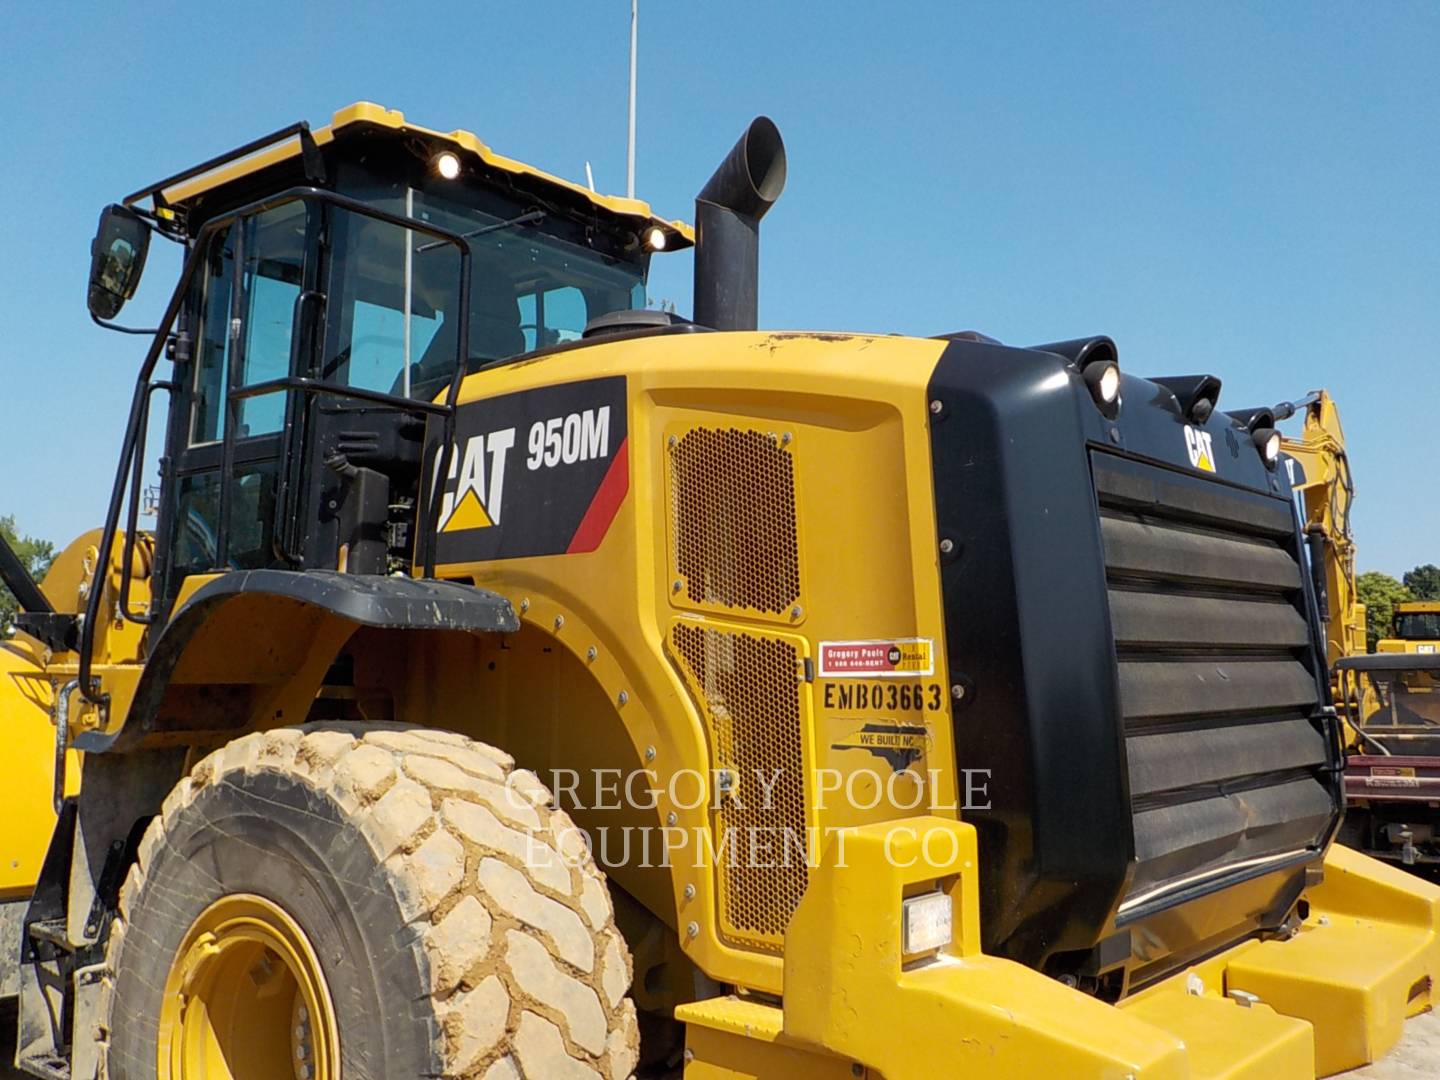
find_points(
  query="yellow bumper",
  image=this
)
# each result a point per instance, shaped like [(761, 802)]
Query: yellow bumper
[(1333, 997)]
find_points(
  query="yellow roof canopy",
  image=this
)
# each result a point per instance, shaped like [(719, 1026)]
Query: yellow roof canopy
[(226, 171)]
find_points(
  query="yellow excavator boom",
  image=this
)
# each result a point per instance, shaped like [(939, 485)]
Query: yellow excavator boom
[(1319, 469)]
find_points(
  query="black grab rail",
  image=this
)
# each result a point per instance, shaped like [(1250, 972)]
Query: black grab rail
[(428, 507)]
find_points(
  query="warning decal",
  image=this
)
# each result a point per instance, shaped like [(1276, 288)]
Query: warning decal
[(890, 658), (1392, 776)]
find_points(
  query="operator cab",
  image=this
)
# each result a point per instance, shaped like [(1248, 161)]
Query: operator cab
[(1416, 630), (339, 285)]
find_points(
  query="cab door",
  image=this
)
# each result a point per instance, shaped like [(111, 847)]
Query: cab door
[(229, 466), (322, 336)]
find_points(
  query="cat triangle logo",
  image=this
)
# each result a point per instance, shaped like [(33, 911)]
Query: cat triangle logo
[(468, 515), (1200, 449), (468, 500)]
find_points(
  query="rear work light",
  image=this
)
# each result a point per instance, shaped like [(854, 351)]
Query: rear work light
[(926, 923), (1103, 379), (1267, 441)]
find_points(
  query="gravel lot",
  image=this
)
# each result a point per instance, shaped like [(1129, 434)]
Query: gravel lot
[(1417, 1058)]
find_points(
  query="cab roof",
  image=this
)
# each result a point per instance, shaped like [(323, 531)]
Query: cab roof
[(287, 144)]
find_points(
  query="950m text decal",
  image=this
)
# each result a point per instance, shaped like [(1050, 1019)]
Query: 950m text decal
[(540, 472)]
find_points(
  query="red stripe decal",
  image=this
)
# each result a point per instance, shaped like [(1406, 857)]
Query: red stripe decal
[(606, 504)]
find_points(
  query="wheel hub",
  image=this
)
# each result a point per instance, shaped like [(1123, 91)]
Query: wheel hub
[(246, 999)]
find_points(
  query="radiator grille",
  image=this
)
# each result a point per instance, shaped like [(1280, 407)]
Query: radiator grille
[(1216, 678), (749, 687), (734, 542)]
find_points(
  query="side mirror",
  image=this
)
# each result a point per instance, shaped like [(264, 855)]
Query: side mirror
[(117, 258)]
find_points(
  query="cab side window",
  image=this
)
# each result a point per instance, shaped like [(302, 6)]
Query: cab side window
[(392, 303), (273, 247)]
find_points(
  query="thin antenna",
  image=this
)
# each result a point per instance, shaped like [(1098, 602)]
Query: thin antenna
[(630, 154), (589, 177)]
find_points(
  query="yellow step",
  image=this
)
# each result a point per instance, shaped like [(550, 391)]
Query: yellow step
[(1354, 980), (1228, 1041), (736, 1038)]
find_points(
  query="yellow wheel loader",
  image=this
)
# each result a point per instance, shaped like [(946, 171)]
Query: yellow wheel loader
[(1416, 629), (517, 682)]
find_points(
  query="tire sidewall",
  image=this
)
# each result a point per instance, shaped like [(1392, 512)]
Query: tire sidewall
[(272, 834)]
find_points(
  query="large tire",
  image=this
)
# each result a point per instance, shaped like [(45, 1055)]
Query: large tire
[(461, 927)]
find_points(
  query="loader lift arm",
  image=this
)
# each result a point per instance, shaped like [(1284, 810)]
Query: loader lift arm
[(18, 580), (37, 616)]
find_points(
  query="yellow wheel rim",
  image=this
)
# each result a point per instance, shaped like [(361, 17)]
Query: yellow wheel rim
[(246, 1000)]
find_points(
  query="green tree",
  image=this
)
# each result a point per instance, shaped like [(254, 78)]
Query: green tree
[(1379, 593), (1424, 582), (35, 554)]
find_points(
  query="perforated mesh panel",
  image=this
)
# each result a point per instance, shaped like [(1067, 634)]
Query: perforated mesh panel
[(734, 541), (750, 689)]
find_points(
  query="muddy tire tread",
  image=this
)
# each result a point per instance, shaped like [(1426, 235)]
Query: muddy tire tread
[(440, 811)]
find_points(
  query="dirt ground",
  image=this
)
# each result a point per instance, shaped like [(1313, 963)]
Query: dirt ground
[(1416, 1058)]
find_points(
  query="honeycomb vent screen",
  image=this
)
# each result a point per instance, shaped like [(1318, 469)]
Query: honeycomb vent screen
[(733, 520), (750, 690)]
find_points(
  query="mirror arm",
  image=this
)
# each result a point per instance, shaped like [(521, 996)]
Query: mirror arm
[(171, 229), (108, 325)]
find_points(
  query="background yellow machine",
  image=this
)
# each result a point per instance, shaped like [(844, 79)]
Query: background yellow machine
[(516, 683), (1318, 468), (1388, 702), (1416, 628)]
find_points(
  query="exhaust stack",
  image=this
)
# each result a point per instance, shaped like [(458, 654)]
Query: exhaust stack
[(727, 228)]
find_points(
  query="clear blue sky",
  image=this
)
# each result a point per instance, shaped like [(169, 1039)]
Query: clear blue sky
[(1247, 190)]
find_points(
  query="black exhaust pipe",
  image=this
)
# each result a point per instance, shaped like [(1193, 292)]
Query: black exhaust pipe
[(727, 228)]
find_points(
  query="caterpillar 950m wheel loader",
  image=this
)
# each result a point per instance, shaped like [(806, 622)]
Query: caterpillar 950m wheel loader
[(516, 683)]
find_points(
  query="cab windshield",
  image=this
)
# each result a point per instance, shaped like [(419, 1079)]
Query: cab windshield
[(1418, 625), (395, 325)]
